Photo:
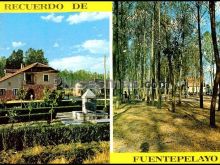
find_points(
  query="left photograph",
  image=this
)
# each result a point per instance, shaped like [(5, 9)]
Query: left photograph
[(54, 87)]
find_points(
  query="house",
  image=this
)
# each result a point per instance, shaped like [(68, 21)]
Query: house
[(78, 88), (194, 85), (33, 79), (97, 86)]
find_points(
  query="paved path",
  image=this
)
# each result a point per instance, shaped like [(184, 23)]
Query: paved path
[(67, 118)]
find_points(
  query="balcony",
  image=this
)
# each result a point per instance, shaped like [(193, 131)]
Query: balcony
[(29, 82), (29, 79)]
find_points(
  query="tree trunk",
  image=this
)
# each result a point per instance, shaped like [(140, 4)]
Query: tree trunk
[(200, 57), (144, 67), (152, 62), (216, 55), (142, 55), (121, 53), (165, 86), (181, 55), (173, 104), (186, 88), (158, 64), (211, 81), (218, 97), (213, 101), (120, 90), (213, 73), (180, 83), (196, 78), (116, 57)]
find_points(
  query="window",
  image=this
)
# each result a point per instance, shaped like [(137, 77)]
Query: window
[(29, 78), (46, 78), (15, 92), (2, 92)]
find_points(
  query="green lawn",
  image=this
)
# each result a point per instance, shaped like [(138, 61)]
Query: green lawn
[(140, 127)]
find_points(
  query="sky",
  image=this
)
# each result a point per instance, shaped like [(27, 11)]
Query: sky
[(71, 41), (205, 26)]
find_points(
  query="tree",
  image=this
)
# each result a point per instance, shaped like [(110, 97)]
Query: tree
[(70, 77), (200, 56), (217, 61), (158, 61), (52, 99), (208, 54), (15, 60), (154, 42), (22, 94), (2, 66), (152, 59), (32, 56), (30, 108)]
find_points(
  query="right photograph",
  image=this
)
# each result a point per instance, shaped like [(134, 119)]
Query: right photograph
[(166, 71)]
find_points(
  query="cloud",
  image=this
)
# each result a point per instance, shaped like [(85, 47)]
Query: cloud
[(16, 44), (51, 17), (5, 48), (96, 46), (87, 17), (74, 63), (56, 45)]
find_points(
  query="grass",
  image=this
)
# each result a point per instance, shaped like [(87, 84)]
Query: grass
[(60, 160), (96, 152), (101, 157), (144, 128)]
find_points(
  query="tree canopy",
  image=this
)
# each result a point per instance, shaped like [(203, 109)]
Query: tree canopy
[(2, 65), (15, 60), (71, 77), (32, 56), (163, 42)]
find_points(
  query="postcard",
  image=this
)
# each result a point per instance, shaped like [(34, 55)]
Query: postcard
[(166, 76), (109, 82), (54, 82)]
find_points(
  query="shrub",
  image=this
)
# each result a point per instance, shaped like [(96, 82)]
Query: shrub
[(102, 102), (21, 94), (44, 135)]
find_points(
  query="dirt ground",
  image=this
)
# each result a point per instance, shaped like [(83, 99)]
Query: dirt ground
[(143, 128)]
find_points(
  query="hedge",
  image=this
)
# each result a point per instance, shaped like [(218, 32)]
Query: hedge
[(27, 118), (23, 111), (22, 115), (44, 135), (25, 104)]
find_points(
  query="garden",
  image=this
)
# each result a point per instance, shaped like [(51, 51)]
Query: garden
[(31, 133)]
